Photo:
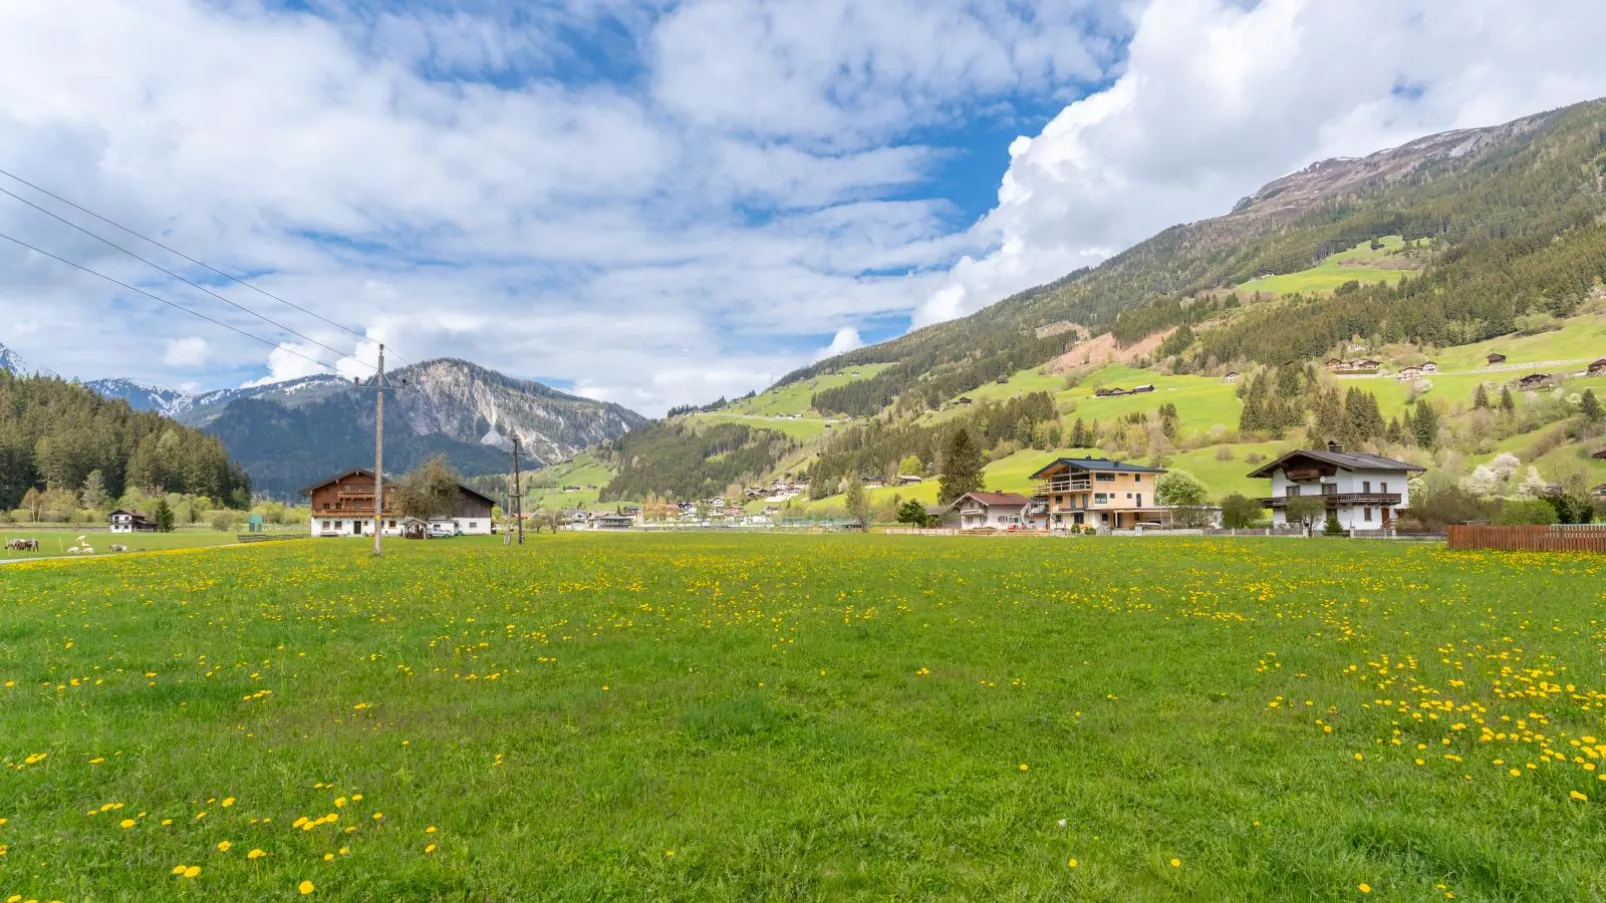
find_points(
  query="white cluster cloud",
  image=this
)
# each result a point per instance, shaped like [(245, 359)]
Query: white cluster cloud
[(694, 198), (1219, 97)]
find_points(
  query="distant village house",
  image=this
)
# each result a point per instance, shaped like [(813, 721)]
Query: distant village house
[(122, 521), (1094, 492)]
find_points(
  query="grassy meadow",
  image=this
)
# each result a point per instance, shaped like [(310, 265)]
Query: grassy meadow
[(1358, 264), (712, 717), (55, 541)]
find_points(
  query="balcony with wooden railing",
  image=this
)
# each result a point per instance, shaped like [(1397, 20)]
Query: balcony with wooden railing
[(1332, 500), (1065, 484)]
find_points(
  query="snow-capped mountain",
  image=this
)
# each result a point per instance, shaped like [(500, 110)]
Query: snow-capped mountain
[(142, 396), (12, 362)]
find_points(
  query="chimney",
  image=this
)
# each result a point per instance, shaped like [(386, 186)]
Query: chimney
[(1335, 447)]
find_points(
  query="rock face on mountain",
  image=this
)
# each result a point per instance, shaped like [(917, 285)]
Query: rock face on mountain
[(288, 434)]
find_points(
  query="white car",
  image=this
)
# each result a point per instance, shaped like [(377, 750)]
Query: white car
[(442, 531)]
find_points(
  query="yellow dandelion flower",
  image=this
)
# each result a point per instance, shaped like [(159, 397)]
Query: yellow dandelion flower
[(255, 854), (305, 887), (340, 802), (328, 857), (1072, 863), (178, 869), (378, 816), (1578, 796), (1364, 888), (126, 823), (1024, 767), (1176, 863), (223, 846), (428, 830), (192, 871), (429, 849)]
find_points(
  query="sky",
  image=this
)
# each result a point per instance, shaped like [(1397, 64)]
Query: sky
[(660, 203)]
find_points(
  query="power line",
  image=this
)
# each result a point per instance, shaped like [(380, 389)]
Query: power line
[(78, 266), (171, 250), (111, 244)]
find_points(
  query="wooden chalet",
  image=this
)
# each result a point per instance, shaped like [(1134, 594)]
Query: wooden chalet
[(343, 505), (1495, 358), (1597, 368), (1535, 381), (1361, 491)]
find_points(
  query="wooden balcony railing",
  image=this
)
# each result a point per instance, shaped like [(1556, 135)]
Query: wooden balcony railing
[(1378, 499)]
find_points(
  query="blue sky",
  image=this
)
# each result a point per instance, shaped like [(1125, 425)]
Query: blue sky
[(658, 202)]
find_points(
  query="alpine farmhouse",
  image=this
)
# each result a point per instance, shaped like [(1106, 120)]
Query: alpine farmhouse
[(1363, 491), (1095, 492), (343, 505)]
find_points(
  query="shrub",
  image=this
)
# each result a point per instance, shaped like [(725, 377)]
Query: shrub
[(1224, 453), (222, 521), (1524, 511), (1239, 511)]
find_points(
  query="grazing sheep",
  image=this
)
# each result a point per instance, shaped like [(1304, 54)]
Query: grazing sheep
[(117, 548)]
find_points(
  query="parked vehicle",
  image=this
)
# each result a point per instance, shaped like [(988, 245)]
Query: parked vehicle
[(442, 531)]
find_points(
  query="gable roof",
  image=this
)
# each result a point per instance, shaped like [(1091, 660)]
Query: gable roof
[(990, 499), (1342, 460), (1096, 464), (390, 484)]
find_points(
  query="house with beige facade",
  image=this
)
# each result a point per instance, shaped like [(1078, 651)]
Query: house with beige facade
[(1100, 493)]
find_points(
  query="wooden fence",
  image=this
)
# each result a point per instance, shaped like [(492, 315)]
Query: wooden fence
[(1555, 538)]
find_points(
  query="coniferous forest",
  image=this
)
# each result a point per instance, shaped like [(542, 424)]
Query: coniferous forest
[(58, 435)]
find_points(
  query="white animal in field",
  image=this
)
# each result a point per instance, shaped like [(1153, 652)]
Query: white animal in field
[(73, 550), (117, 548), (88, 550)]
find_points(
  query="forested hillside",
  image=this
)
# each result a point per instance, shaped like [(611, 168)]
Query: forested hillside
[(61, 436), (1489, 202), (689, 461)]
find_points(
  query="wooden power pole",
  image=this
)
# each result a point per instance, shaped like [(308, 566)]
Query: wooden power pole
[(518, 490), (379, 456)]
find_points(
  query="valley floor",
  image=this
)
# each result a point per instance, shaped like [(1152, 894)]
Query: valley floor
[(737, 717)]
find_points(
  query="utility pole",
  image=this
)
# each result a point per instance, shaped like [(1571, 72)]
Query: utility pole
[(518, 489), (379, 456)]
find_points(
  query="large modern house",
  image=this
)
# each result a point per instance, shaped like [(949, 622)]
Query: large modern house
[(1095, 492), (1364, 492), (124, 521), (343, 505)]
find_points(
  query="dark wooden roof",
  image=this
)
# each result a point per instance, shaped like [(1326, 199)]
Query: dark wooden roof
[(1341, 460)]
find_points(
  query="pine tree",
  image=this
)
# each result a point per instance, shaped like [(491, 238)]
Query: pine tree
[(961, 468), (1480, 398), (1408, 429), (1427, 425), (1395, 434), (1590, 405), (1507, 403), (163, 515)]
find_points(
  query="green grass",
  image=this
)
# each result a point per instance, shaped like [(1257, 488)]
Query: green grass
[(733, 718), (54, 542), (1333, 272), (1226, 477), (544, 488), (805, 430), (1581, 338)]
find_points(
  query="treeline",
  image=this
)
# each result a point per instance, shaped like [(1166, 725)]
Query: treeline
[(59, 436), (1277, 399), (882, 448), (686, 461)]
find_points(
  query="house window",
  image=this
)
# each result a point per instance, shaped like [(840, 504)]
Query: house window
[(1383, 488), (1366, 514), (1140, 500), (1329, 489), (1293, 491), (1366, 486), (1100, 498), (472, 524), (1129, 495), (1104, 477), (340, 525), (393, 525)]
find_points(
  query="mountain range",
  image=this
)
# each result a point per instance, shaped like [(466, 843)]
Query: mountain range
[(288, 434)]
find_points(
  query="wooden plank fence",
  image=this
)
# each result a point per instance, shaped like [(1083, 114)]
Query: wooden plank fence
[(1555, 538)]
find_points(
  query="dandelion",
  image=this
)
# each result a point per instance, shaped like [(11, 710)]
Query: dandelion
[(305, 887), (669, 854), (1072, 863), (428, 830), (178, 869), (1364, 888), (1176, 863), (340, 802), (378, 816), (429, 849), (228, 801), (1024, 767), (1578, 796), (255, 854), (192, 871), (126, 823), (223, 846)]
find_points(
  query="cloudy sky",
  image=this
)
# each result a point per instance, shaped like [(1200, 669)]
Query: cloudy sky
[(659, 202)]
